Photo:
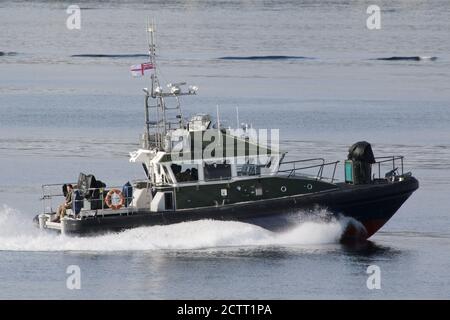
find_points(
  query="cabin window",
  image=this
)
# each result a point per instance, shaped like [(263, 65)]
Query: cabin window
[(252, 167), (185, 172), (217, 171), (168, 200), (167, 175), (248, 170)]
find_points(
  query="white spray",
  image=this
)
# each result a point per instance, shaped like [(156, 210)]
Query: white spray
[(19, 234)]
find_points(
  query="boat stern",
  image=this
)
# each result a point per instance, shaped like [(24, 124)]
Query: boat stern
[(46, 221)]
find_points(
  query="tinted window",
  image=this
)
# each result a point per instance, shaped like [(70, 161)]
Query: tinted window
[(168, 200), (215, 171), (185, 172), (249, 170)]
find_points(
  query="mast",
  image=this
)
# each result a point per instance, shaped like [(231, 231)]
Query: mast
[(153, 85), (169, 118)]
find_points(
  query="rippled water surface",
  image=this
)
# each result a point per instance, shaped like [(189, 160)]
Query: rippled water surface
[(308, 68)]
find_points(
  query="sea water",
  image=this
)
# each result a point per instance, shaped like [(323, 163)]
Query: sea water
[(61, 115)]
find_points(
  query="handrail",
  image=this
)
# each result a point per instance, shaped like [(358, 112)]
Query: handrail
[(101, 197), (49, 185), (302, 160), (299, 161), (389, 159), (321, 166)]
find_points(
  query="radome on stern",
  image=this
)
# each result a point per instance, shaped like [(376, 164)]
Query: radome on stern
[(196, 169)]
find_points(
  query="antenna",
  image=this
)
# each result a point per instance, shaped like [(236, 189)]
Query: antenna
[(237, 117), (152, 54), (151, 39)]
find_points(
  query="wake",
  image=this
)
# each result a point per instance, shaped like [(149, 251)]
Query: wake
[(17, 233)]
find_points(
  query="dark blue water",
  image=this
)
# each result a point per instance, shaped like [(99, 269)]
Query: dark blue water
[(68, 104)]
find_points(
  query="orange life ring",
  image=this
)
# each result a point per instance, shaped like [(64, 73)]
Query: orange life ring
[(108, 199)]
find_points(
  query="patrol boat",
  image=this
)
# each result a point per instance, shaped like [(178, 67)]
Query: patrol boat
[(196, 170)]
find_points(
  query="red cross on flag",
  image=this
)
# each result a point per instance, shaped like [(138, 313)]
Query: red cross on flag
[(138, 70)]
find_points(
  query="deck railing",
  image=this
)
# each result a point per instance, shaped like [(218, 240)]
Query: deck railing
[(320, 167), (52, 191), (395, 160)]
